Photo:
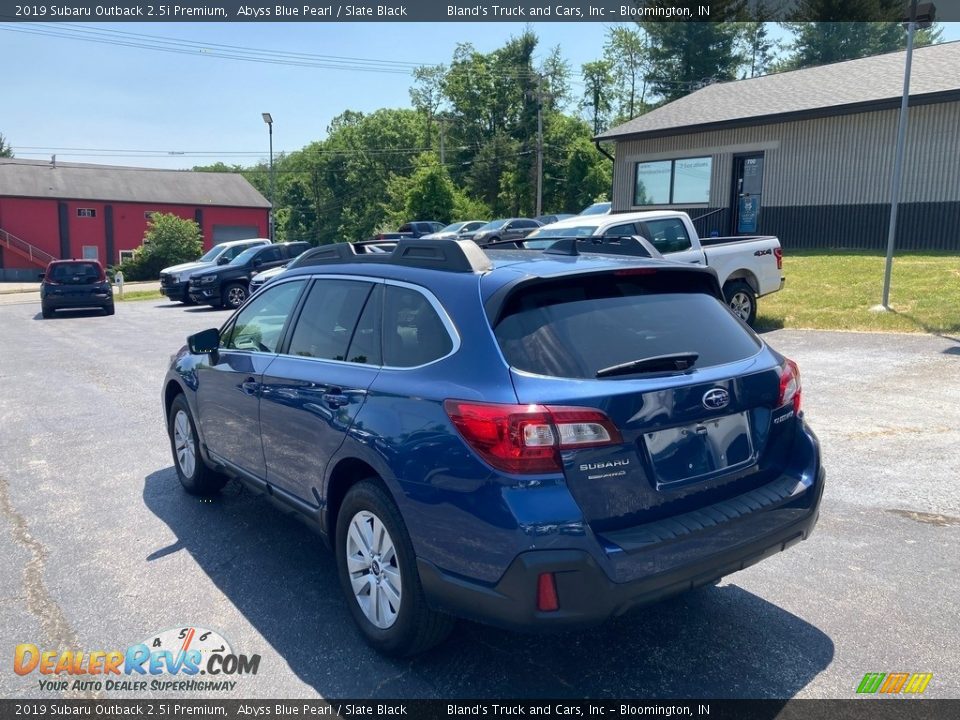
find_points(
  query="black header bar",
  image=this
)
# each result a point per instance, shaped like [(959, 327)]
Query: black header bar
[(608, 11), (873, 708)]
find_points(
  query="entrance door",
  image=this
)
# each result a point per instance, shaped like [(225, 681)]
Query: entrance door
[(747, 193)]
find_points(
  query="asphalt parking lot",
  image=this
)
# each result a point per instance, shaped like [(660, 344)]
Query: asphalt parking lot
[(99, 548)]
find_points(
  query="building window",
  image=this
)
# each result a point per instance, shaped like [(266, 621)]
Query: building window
[(669, 182), (126, 255), (86, 212), (90, 252), (148, 215)]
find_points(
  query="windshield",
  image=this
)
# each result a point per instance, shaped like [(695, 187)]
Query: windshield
[(493, 225), (245, 256), (454, 227), (211, 254), (577, 231), (597, 209)]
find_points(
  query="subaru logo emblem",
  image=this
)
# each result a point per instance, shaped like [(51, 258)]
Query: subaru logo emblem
[(715, 399)]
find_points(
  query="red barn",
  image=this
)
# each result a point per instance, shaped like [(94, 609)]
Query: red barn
[(73, 210)]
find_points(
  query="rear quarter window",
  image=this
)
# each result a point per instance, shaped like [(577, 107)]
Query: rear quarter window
[(573, 327)]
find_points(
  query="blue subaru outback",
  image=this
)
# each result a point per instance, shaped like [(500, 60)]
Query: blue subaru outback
[(537, 440)]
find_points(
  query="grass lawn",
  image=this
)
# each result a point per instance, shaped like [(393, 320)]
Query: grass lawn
[(835, 289), (138, 295)]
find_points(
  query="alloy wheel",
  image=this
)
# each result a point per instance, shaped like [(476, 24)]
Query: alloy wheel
[(374, 569), (183, 444), (741, 304)]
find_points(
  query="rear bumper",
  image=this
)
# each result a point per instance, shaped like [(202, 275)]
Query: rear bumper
[(58, 302), (586, 593)]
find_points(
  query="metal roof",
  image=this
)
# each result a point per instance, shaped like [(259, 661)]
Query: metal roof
[(83, 181), (839, 88)]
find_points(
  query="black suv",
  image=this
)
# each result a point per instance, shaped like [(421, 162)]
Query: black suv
[(230, 284), (75, 284)]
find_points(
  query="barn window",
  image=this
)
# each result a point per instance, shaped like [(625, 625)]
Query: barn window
[(126, 255), (86, 212), (148, 215), (666, 182), (91, 252)]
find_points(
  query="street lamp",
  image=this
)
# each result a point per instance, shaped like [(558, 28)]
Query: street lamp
[(268, 119), (920, 15)]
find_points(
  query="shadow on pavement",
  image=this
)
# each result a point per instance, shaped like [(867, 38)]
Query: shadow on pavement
[(69, 313), (715, 642)]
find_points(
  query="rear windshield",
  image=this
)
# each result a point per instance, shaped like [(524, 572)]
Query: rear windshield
[(574, 327), (75, 273)]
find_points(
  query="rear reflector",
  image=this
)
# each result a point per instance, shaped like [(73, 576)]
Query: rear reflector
[(547, 600), (790, 389), (529, 438)]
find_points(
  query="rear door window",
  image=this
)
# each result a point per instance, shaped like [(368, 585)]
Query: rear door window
[(626, 230), (574, 327), (668, 235)]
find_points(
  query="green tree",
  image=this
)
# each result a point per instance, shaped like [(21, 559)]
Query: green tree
[(431, 194), (5, 150), (588, 176), (686, 55), (169, 240), (758, 47), (596, 95), (626, 52), (843, 33)]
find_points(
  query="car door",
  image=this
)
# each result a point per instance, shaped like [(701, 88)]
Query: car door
[(228, 383), (270, 257), (519, 229), (670, 237), (314, 389)]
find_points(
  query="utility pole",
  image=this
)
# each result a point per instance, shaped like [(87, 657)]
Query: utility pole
[(443, 137), (539, 144), (923, 18)]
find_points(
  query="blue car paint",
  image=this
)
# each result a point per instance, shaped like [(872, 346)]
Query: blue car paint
[(467, 521)]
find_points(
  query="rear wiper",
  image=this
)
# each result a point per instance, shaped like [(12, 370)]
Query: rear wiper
[(675, 362)]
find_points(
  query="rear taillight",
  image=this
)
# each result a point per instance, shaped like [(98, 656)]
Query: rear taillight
[(789, 385), (529, 438), (778, 254)]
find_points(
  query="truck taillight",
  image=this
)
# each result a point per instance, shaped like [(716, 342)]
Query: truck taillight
[(790, 390), (778, 254), (528, 438)]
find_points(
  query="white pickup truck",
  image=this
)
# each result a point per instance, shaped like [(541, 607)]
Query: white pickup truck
[(748, 267)]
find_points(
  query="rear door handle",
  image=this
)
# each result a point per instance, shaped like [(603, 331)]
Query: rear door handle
[(250, 386)]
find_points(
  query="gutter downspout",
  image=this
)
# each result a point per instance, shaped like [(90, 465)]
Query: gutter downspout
[(602, 151)]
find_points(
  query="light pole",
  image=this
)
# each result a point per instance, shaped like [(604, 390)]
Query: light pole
[(919, 16), (268, 119)]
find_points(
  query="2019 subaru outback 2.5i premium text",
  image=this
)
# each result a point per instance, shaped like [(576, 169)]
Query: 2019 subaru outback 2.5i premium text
[(533, 440)]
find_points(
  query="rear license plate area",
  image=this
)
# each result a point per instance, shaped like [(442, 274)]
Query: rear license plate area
[(701, 449)]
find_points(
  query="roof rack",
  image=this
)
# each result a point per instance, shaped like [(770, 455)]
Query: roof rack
[(447, 254), (632, 245)]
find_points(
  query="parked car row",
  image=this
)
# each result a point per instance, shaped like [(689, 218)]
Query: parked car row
[(538, 439)]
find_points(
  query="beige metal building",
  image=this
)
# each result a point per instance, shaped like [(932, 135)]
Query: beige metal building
[(806, 155)]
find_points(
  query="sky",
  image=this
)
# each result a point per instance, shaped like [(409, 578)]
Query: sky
[(62, 94)]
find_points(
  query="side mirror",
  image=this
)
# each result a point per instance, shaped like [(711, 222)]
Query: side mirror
[(41, 275), (257, 262), (223, 260), (205, 342)]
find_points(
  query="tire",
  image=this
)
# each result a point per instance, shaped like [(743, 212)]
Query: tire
[(109, 309), (742, 300), (195, 476), (401, 624), (234, 295), (46, 312), (187, 300)]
